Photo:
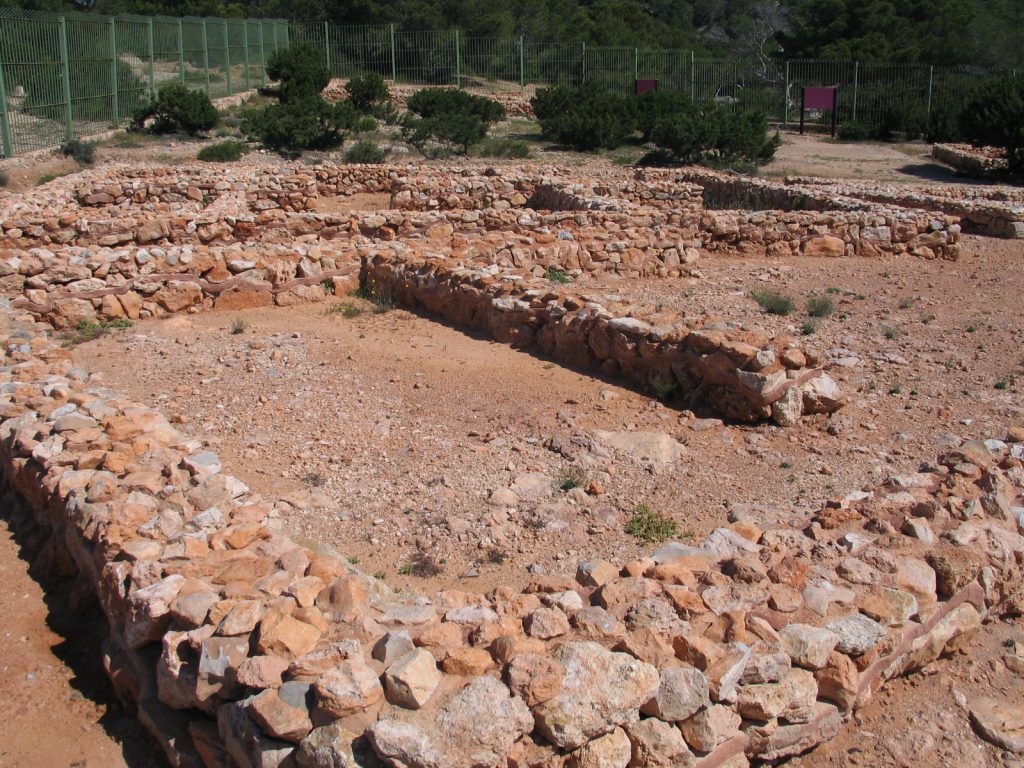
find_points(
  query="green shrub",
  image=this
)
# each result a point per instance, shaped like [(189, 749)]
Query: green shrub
[(456, 131), (820, 306), (857, 131), (557, 275), (717, 135), (365, 152), (553, 101), (223, 151), (366, 123), (434, 102), (686, 136), (367, 91), (655, 107), (585, 119), (995, 117), (509, 148), (294, 126), (649, 526), (301, 72), (176, 109), (772, 301), (387, 113), (84, 152), (944, 123)]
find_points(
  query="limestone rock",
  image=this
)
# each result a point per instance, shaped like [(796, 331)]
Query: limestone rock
[(710, 727), (329, 746), (411, 680), (682, 691), (613, 750), (857, 633), (348, 688), (477, 727), (656, 744), (807, 646), (1000, 722), (600, 690)]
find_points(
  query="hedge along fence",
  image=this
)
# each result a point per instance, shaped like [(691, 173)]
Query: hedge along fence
[(78, 74), (69, 75)]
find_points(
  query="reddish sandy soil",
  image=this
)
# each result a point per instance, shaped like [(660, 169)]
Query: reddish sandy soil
[(57, 710)]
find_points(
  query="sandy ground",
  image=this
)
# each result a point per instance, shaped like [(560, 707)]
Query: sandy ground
[(57, 706), (397, 428)]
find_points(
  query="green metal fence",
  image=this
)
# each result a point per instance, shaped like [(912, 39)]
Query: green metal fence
[(79, 74)]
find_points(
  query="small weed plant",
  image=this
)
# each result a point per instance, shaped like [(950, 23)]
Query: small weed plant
[(820, 306), (89, 330), (83, 152), (649, 526), (771, 301), (223, 152), (557, 275), (572, 477)]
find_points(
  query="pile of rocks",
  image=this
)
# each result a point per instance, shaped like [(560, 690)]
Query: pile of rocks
[(511, 96), (978, 161), (241, 647)]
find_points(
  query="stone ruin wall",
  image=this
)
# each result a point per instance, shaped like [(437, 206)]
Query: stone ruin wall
[(161, 242), (977, 162), (240, 647), (515, 99)]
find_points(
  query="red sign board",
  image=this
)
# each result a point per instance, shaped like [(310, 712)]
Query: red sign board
[(643, 86), (819, 98)]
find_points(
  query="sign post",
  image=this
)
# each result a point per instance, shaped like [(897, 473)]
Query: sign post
[(820, 98)]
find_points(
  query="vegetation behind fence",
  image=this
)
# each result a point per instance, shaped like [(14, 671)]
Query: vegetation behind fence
[(75, 75)]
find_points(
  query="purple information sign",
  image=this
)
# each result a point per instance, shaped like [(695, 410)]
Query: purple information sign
[(819, 98), (826, 97)]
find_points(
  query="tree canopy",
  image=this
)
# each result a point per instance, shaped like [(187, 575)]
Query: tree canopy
[(942, 32)]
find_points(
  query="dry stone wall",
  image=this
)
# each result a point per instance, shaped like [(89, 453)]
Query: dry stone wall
[(143, 244), (242, 648)]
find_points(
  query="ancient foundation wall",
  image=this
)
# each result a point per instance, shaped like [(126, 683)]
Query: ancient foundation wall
[(240, 647)]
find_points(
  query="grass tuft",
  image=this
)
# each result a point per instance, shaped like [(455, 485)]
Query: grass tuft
[(771, 301), (649, 526)]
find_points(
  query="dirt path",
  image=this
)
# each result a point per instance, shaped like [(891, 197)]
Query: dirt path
[(57, 706)]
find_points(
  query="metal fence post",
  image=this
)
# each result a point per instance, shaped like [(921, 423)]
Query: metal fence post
[(245, 44), (5, 126), (636, 65), (113, 72), (856, 80), (785, 98), (227, 57), (66, 76), (394, 63), (152, 56), (693, 77), (327, 46), (583, 65), (263, 58), (458, 62), (206, 57), (931, 77), (181, 54), (522, 68)]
